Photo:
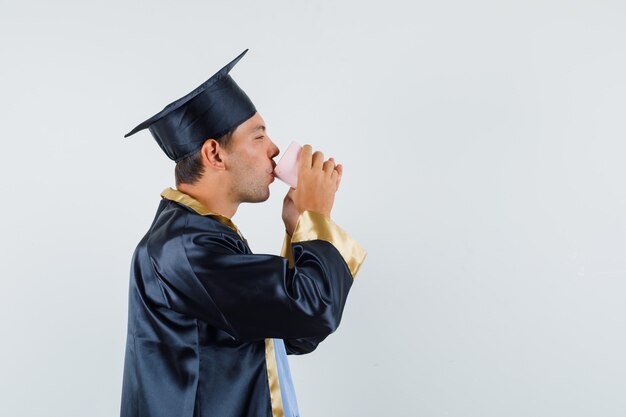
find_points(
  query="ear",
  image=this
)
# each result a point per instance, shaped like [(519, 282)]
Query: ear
[(213, 154)]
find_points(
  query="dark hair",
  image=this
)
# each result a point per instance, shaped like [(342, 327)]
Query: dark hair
[(190, 169)]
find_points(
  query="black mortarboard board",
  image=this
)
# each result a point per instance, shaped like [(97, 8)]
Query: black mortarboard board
[(214, 108)]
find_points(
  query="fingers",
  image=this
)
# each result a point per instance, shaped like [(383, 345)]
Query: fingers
[(318, 160), (304, 159), (339, 171), (333, 171), (329, 167), (309, 159)]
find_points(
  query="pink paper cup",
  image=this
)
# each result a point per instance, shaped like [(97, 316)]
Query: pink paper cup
[(287, 168)]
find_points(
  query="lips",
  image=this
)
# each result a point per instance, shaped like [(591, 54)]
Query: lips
[(271, 173)]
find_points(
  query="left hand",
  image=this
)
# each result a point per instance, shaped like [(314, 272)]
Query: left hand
[(290, 213)]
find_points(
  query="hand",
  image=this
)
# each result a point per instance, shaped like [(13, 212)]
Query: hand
[(290, 213), (318, 181)]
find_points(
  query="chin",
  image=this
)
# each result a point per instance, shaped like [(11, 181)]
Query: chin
[(260, 197), (267, 195)]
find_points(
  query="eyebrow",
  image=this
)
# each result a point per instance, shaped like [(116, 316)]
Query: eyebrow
[(259, 127)]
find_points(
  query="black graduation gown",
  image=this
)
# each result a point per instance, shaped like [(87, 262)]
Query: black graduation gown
[(203, 311)]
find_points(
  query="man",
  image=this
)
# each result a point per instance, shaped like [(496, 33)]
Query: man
[(210, 323)]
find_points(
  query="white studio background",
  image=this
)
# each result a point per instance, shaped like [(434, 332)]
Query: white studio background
[(483, 145)]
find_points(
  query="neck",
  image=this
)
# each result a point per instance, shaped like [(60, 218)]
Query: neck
[(213, 196)]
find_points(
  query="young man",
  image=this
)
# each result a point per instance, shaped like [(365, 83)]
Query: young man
[(210, 323)]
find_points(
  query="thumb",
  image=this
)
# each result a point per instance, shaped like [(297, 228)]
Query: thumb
[(289, 195)]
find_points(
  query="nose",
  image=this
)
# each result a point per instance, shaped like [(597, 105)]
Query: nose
[(274, 150)]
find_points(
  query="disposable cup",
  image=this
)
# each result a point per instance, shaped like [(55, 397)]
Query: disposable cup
[(287, 168)]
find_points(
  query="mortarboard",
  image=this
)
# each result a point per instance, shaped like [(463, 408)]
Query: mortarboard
[(214, 108)]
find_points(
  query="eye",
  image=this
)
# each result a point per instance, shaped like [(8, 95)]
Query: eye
[(260, 137)]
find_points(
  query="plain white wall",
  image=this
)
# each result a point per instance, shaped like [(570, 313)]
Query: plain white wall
[(483, 145)]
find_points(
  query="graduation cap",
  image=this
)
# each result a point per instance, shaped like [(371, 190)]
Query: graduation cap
[(210, 111)]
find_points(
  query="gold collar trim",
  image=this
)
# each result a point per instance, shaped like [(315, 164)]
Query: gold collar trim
[(187, 200)]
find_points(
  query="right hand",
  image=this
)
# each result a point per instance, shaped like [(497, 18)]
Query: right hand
[(318, 181)]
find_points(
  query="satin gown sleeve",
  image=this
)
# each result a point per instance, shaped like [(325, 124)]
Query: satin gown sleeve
[(256, 296), (299, 346)]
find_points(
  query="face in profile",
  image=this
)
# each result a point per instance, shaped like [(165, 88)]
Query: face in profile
[(250, 161)]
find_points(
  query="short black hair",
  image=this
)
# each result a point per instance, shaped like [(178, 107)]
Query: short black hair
[(189, 169)]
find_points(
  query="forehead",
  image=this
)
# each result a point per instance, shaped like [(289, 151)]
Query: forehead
[(253, 124), (251, 128)]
